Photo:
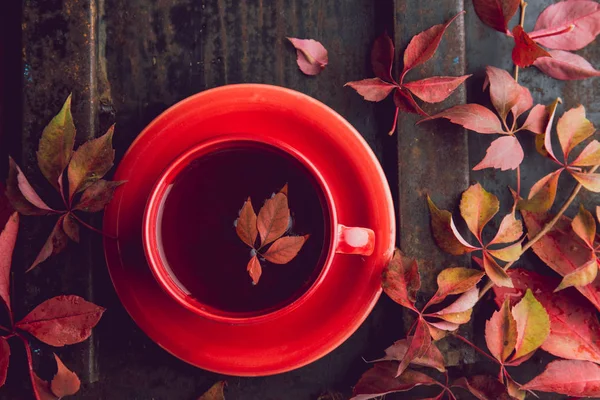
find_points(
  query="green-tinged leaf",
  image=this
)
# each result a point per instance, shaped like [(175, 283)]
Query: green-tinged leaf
[(56, 144), (495, 272), (510, 229), (582, 276), (508, 253), (90, 162), (533, 325), (501, 333), (589, 156), (478, 207), (215, 392), (573, 128), (445, 233), (455, 280), (98, 195), (542, 193), (584, 226), (514, 389), (401, 280), (56, 242), (588, 180)]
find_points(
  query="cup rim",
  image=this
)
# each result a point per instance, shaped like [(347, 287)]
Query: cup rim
[(150, 227)]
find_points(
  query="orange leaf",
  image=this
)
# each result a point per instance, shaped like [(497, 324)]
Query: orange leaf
[(495, 272), (445, 233), (589, 156), (508, 253), (588, 180), (573, 128), (526, 51), (273, 219), (254, 269), (474, 117), (584, 226), (284, 249), (65, 382), (478, 207), (401, 280), (510, 229), (455, 280), (501, 333), (542, 193), (245, 225), (582, 276)]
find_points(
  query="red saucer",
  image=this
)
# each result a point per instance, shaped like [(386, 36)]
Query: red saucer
[(316, 327)]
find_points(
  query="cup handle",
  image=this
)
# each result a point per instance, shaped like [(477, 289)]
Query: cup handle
[(353, 240)]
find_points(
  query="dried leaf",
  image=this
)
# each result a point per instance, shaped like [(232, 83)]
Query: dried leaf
[(311, 55), (508, 253), (568, 25), (526, 50), (285, 249), (435, 89), (510, 229), (16, 199), (445, 233), (65, 382), (4, 360), (373, 89), (381, 380), (566, 66), (582, 276), (501, 333), (514, 389), (90, 162), (417, 346), (62, 320), (254, 269), (432, 357), (71, 227), (56, 242), (382, 57), (537, 120), (215, 392), (533, 325), (455, 280), (584, 226), (97, 195), (573, 128), (572, 378), (504, 153), (542, 193), (27, 190), (401, 280), (547, 137), (404, 101), (245, 225), (56, 144), (474, 117), (496, 14), (41, 388), (495, 272), (273, 219), (483, 387), (589, 156), (464, 302), (8, 238), (589, 181), (422, 46), (505, 92), (439, 330), (478, 207)]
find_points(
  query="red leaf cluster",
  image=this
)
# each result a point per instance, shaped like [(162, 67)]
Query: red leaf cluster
[(272, 222), (419, 50), (82, 190)]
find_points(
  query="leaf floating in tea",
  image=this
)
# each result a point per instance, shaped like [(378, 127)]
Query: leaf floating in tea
[(272, 222)]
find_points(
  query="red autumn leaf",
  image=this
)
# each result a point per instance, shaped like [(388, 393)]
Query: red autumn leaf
[(27, 190), (526, 51), (71, 227), (273, 219), (495, 271), (4, 359), (573, 128), (510, 230), (215, 392), (285, 249), (373, 89), (8, 237), (56, 144), (505, 92), (574, 326), (254, 269), (483, 387), (62, 320), (245, 225), (56, 242), (445, 233), (435, 89), (497, 13), (404, 101), (417, 346), (382, 57), (90, 162), (381, 380), (432, 357), (504, 153), (97, 195), (478, 207), (589, 156), (41, 388), (474, 117), (566, 66), (537, 120), (65, 382), (401, 280), (573, 378), (455, 280), (311, 55), (584, 226), (568, 25), (422, 46), (562, 250), (501, 333), (542, 193), (524, 102)]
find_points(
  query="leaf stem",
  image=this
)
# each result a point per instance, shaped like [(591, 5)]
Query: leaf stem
[(92, 228), (521, 22), (30, 363), (518, 181), (547, 228), (456, 335)]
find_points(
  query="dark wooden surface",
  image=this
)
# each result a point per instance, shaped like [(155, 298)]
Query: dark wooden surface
[(126, 61)]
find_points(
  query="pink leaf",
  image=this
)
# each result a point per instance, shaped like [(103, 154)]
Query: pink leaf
[(568, 25), (510, 229), (373, 89), (312, 56), (566, 66), (28, 191), (588, 180), (435, 89), (504, 153), (8, 237), (505, 92), (537, 120), (496, 13), (464, 302), (573, 378), (4, 359), (542, 193), (382, 57), (589, 156), (526, 51), (422, 46), (474, 117)]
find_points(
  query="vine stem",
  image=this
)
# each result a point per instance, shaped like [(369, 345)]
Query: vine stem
[(521, 22), (518, 181), (547, 228)]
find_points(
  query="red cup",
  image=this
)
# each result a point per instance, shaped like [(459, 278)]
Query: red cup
[(328, 147)]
